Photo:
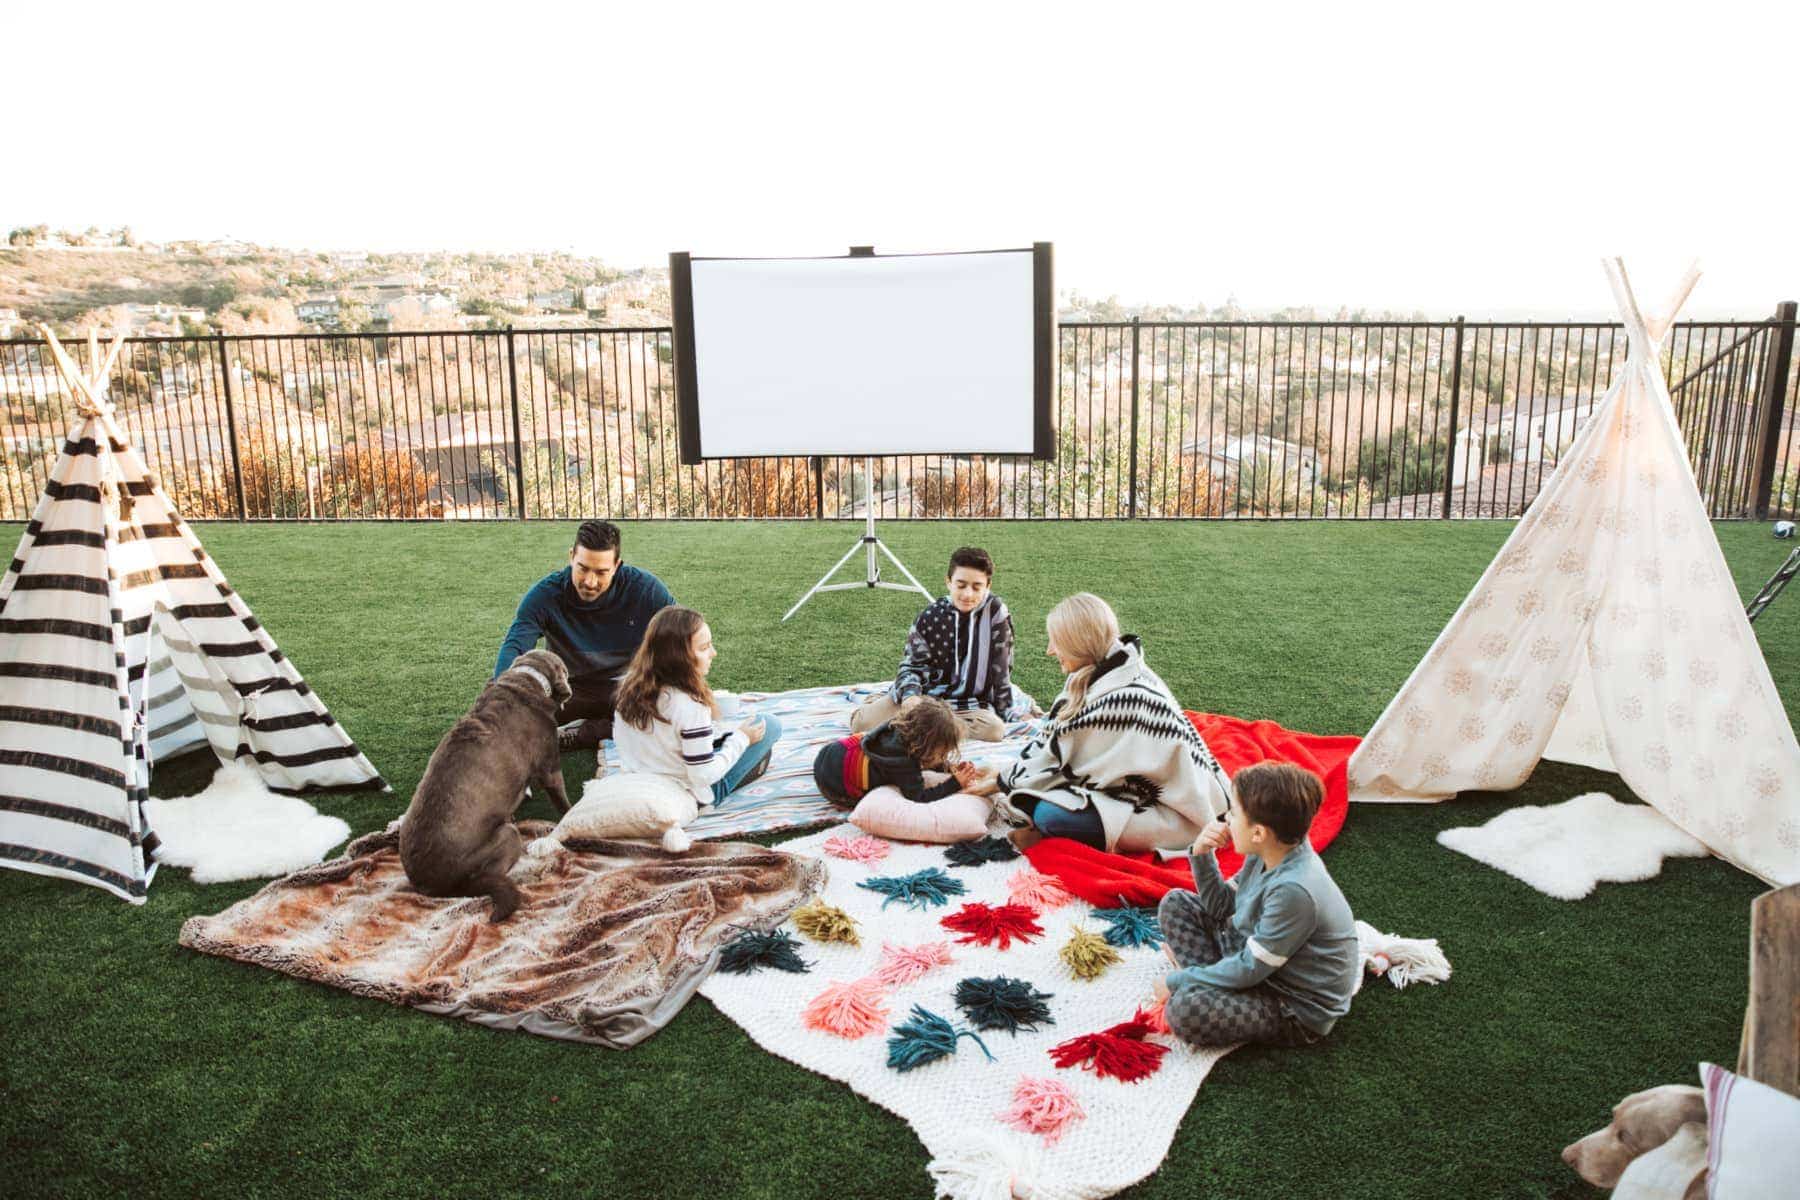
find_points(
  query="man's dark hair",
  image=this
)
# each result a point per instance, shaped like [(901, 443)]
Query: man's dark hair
[(597, 535), (969, 556)]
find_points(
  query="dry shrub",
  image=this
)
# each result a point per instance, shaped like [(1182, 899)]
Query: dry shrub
[(762, 487), (964, 491)]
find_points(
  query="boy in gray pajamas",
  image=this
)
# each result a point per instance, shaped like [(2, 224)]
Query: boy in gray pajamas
[(1270, 956)]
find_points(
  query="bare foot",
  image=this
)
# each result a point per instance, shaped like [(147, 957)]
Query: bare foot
[(1025, 837)]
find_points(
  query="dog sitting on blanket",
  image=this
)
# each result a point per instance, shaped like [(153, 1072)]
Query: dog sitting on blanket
[(457, 838), (1666, 1124)]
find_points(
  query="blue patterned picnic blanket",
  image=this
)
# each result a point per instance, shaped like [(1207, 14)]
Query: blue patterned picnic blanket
[(786, 797)]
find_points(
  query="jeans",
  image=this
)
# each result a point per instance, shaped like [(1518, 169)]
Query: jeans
[(751, 762), (1053, 820)]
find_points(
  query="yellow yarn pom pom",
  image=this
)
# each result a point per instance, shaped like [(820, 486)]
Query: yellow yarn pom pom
[(1088, 954), (823, 922)]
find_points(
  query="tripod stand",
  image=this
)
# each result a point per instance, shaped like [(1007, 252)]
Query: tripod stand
[(869, 543)]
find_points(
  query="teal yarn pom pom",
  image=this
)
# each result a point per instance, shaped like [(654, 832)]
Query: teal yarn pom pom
[(925, 1038), (930, 888), (1131, 927)]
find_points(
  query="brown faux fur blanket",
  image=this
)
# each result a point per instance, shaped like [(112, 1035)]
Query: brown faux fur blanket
[(611, 941)]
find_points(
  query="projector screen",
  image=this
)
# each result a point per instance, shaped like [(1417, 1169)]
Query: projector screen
[(865, 354)]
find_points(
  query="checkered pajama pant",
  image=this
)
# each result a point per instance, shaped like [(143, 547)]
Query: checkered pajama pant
[(1213, 1016)]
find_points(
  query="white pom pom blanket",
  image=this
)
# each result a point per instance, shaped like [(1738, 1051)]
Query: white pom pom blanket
[(955, 1103)]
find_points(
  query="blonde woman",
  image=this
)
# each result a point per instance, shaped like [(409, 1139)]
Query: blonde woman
[(1116, 764)]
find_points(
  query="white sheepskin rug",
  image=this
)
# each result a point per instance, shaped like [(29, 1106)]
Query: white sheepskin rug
[(238, 829), (1563, 850)]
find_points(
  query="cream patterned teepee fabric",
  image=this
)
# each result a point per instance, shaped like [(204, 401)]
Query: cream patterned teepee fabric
[(1608, 632), (121, 643)]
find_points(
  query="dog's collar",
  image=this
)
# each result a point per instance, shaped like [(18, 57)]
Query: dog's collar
[(537, 675)]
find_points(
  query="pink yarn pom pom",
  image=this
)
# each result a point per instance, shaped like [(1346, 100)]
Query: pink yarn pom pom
[(848, 1010), (863, 849), (1046, 1107), (1035, 889), (903, 964)]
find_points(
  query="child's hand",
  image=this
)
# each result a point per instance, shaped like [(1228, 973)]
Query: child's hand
[(965, 773), (1161, 989), (1216, 836)]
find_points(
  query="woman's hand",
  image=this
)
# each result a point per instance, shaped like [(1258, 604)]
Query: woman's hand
[(753, 730), (981, 782), (1216, 836)]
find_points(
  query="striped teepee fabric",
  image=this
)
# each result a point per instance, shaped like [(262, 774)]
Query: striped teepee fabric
[(121, 644)]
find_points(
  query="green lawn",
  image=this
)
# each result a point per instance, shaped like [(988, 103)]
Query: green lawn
[(131, 1065)]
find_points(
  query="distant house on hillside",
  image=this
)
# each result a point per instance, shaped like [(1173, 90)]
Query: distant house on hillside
[(318, 310), (1227, 455), (554, 301)]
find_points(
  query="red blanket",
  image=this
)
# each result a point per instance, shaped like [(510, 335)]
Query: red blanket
[(1109, 880)]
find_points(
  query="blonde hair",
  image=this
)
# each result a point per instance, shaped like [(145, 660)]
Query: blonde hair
[(1083, 627)]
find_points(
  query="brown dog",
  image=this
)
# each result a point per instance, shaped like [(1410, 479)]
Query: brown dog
[(457, 838), (1641, 1122)]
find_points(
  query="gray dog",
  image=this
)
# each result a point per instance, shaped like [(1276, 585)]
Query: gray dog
[(457, 838)]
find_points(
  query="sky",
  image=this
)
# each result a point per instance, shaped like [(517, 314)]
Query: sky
[(1441, 158)]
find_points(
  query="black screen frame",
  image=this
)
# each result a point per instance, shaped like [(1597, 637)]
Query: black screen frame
[(1043, 304)]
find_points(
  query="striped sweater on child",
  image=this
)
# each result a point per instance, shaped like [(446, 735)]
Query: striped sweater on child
[(679, 743)]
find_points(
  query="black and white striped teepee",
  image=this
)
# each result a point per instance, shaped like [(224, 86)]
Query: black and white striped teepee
[(121, 644)]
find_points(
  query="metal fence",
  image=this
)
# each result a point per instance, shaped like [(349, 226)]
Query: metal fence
[(1154, 419)]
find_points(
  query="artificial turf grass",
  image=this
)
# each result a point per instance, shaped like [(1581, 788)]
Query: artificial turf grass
[(133, 1063)]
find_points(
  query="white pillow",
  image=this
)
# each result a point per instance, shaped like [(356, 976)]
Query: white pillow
[(628, 804), (1753, 1137)]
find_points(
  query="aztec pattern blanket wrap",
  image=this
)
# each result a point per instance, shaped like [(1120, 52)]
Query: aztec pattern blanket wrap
[(1130, 752), (612, 940)]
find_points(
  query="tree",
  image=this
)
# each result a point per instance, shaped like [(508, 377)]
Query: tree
[(27, 235)]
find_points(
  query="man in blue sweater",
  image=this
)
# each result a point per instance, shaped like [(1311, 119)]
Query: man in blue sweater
[(592, 615)]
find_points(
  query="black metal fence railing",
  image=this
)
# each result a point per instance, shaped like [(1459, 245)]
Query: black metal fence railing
[(1166, 419)]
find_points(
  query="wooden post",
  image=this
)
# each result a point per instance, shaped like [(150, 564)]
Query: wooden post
[(1774, 398), (1770, 1052)]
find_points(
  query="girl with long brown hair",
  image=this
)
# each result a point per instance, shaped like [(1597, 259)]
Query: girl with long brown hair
[(666, 713)]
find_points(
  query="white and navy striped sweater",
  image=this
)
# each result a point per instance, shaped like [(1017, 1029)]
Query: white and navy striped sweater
[(679, 744), (964, 659)]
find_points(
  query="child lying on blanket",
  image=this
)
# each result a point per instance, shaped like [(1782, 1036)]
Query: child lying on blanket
[(923, 737), (1271, 956)]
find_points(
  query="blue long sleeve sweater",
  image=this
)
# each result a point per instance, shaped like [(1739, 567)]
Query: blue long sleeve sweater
[(1299, 935), (591, 639)]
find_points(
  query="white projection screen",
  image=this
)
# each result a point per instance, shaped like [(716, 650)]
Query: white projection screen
[(864, 354)]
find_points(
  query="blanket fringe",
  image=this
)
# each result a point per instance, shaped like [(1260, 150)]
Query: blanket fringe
[(1402, 960), (987, 1168)]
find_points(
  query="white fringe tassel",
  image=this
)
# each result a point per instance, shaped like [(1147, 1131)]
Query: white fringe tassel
[(988, 1168), (1402, 960)]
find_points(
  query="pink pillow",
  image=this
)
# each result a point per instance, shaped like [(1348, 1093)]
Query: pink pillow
[(884, 812)]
